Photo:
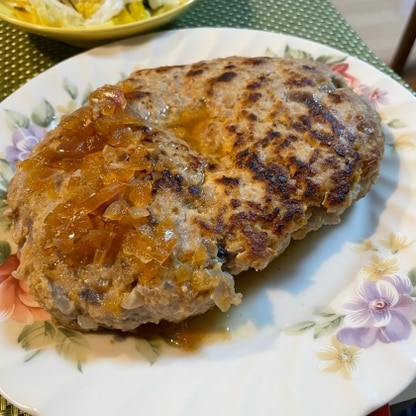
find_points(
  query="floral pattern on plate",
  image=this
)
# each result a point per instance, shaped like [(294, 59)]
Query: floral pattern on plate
[(373, 314), (383, 308)]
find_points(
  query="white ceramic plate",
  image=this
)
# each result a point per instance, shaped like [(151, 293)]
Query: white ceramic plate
[(282, 356)]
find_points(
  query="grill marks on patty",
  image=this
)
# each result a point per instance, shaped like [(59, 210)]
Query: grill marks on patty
[(194, 174)]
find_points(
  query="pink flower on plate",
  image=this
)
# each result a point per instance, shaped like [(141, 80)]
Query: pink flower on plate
[(375, 96), (342, 69), (15, 301)]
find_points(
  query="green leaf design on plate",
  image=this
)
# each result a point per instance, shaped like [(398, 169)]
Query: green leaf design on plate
[(149, 349), (71, 89), (37, 336), (299, 328), (327, 324), (396, 124), (72, 345), (87, 94), (331, 59), (297, 53), (412, 276), (18, 120), (43, 114), (6, 173), (43, 334), (5, 251), (325, 311)]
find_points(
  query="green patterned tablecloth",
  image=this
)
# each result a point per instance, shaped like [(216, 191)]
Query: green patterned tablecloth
[(23, 56)]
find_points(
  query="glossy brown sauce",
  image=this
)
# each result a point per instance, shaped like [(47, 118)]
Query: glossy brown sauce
[(190, 334), (201, 129)]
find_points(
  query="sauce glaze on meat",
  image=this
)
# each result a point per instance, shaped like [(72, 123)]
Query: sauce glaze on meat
[(143, 204)]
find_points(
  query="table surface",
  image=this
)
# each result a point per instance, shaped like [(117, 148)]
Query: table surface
[(23, 55)]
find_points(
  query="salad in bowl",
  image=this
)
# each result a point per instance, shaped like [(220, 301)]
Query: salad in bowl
[(86, 13), (88, 23)]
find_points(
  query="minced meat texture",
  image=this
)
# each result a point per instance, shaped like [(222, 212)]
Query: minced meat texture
[(143, 205)]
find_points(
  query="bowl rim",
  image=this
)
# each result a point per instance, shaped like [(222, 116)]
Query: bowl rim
[(95, 28)]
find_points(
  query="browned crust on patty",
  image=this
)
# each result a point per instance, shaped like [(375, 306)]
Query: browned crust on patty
[(217, 166)]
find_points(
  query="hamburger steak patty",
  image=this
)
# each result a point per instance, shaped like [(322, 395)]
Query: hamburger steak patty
[(141, 205)]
